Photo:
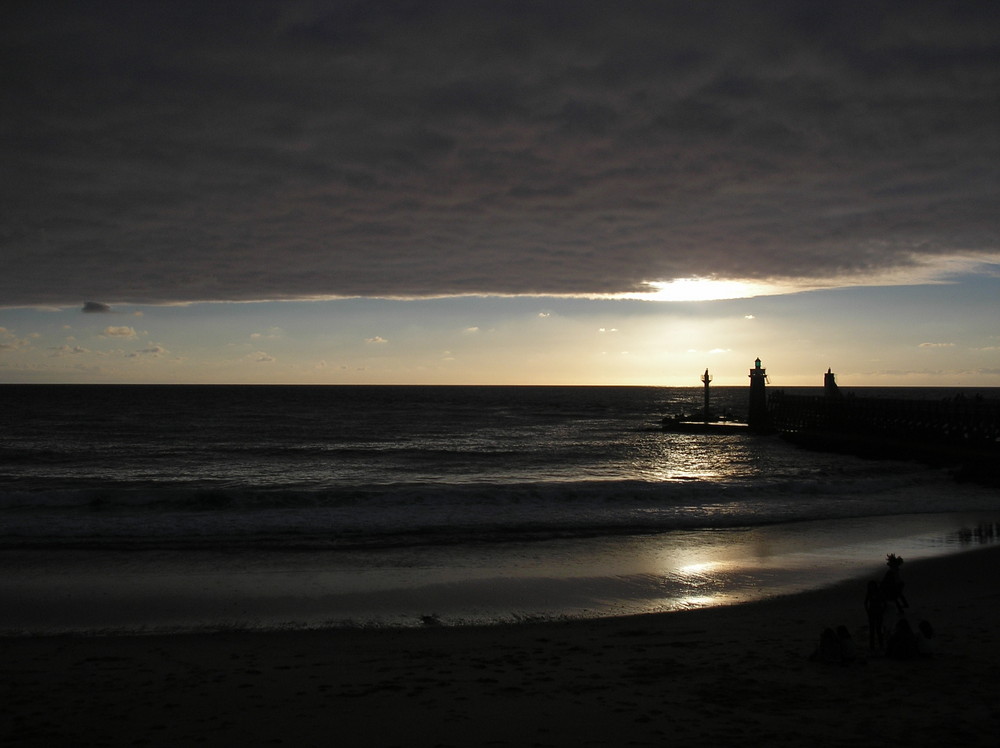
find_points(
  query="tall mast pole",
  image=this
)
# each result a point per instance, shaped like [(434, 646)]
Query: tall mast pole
[(706, 378)]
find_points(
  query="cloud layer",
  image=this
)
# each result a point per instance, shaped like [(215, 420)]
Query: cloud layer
[(261, 150)]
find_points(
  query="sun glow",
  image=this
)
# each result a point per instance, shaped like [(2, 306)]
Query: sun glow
[(925, 271), (705, 289)]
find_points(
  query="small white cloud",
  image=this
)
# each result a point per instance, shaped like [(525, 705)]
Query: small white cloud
[(936, 345), (377, 340), (154, 350), (607, 329), (67, 350), (749, 316), (471, 330), (543, 315), (719, 350), (10, 342), (261, 357), (270, 333), (119, 332)]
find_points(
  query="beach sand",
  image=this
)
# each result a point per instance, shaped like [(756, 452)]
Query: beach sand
[(738, 675)]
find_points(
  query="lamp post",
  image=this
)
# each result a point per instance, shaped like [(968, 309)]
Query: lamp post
[(706, 378)]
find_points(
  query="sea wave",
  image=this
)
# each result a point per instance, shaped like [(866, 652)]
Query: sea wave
[(417, 514)]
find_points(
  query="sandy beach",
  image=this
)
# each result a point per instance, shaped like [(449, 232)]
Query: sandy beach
[(734, 675)]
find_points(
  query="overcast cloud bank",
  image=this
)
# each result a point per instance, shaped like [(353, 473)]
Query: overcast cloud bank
[(158, 153)]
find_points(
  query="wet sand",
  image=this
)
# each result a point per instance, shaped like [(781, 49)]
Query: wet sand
[(738, 675)]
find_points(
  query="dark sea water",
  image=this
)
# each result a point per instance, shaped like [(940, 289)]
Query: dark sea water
[(175, 507)]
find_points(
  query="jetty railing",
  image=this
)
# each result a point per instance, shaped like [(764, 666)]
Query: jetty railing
[(964, 421)]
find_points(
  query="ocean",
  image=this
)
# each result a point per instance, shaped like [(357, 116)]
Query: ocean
[(175, 508)]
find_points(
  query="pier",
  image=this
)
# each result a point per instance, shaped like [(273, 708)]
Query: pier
[(962, 432), (709, 422), (966, 422)]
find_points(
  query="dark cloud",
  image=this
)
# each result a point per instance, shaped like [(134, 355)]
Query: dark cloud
[(242, 150), (95, 307)]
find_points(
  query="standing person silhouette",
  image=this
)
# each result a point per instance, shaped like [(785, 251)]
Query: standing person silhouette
[(875, 607), (892, 583)]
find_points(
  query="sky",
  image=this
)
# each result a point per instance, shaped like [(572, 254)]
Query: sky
[(547, 192)]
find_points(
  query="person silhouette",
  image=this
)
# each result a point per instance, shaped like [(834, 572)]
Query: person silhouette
[(892, 582), (847, 653), (925, 638), (875, 607), (902, 644), (828, 649)]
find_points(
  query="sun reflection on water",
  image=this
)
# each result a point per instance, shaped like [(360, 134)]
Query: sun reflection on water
[(695, 601), (703, 576), (697, 569), (686, 457)]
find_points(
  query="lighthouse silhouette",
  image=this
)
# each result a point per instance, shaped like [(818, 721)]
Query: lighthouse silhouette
[(757, 418)]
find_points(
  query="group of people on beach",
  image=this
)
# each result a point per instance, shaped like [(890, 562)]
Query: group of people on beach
[(901, 643)]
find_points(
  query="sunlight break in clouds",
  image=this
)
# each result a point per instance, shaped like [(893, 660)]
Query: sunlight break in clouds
[(920, 271), (704, 289)]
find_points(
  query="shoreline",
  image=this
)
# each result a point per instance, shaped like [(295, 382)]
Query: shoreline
[(711, 676), (104, 593)]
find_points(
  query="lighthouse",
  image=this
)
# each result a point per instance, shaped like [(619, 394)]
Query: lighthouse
[(758, 419), (830, 388)]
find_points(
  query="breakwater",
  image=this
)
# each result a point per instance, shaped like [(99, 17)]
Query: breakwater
[(960, 432)]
